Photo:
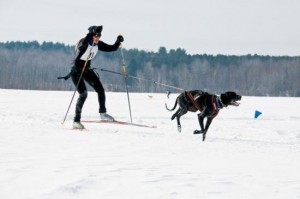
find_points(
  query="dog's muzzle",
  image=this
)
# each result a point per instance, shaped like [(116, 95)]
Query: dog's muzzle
[(234, 101)]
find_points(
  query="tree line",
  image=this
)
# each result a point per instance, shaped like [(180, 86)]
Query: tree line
[(35, 66)]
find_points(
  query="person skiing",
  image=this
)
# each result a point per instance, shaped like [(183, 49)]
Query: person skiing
[(85, 51)]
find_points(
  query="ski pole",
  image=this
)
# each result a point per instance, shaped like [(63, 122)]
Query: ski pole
[(80, 77), (142, 79), (125, 77)]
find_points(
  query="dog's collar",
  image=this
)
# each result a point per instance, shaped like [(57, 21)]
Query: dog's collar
[(219, 103)]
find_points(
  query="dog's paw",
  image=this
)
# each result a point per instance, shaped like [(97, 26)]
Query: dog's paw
[(179, 128), (204, 136), (198, 132)]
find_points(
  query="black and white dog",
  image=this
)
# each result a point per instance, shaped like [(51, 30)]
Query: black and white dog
[(208, 105)]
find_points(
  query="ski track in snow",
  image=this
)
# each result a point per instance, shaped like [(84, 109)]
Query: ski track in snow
[(241, 157)]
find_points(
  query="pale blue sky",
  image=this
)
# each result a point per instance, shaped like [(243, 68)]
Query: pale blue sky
[(230, 27)]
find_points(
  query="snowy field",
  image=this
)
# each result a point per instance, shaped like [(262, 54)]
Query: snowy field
[(241, 157)]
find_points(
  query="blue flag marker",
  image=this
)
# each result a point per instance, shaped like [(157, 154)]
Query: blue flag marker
[(257, 114)]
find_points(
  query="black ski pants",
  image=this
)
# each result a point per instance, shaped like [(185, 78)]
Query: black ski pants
[(93, 80)]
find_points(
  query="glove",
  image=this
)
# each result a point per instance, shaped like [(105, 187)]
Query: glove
[(120, 38)]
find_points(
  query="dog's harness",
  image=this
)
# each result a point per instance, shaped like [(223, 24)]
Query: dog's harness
[(215, 100), (216, 104), (189, 94)]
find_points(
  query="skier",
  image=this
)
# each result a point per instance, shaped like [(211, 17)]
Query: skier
[(85, 51)]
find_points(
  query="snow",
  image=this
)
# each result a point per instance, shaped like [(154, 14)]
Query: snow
[(242, 157)]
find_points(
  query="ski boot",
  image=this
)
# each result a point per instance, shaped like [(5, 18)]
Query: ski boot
[(107, 117), (77, 125)]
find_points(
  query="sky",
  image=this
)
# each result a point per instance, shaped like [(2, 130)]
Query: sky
[(229, 27)]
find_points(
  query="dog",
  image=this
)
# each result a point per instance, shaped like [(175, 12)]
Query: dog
[(208, 105)]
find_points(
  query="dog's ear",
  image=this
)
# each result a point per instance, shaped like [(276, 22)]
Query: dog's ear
[(224, 99), (227, 97)]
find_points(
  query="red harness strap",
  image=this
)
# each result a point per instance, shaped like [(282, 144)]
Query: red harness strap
[(193, 101)]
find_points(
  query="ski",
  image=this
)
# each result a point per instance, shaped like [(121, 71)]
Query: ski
[(76, 129), (118, 122)]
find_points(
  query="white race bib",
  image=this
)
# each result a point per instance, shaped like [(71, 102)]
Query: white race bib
[(90, 53)]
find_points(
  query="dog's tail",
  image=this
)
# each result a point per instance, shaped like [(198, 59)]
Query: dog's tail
[(172, 108)]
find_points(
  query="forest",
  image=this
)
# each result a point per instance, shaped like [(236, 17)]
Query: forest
[(35, 66)]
